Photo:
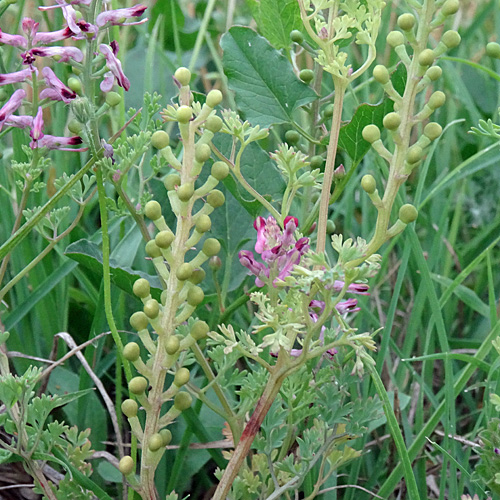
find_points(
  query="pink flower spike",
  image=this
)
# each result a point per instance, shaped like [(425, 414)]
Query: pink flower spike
[(54, 142), (56, 90), (117, 17), (36, 132), (16, 99), (115, 66), (64, 53), (16, 77), (14, 40)]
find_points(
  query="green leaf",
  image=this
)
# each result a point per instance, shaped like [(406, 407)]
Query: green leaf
[(267, 90), (277, 19), (4, 455)]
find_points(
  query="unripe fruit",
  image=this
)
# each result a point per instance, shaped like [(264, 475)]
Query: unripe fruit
[(141, 288), (184, 271), (433, 130), (306, 75), (381, 74), (164, 239), (408, 213), (155, 442), (368, 184), (426, 57), (436, 100), (216, 198), (160, 139), (406, 22), (75, 127), (219, 170), (371, 133), (171, 181), (185, 191), (395, 38), (450, 7), (202, 153), (166, 436), (292, 137), (139, 321), (126, 465), (113, 99), (214, 123), (211, 247), (203, 224), (316, 162), (330, 226), (183, 76), (215, 263), (152, 210), (414, 154), (131, 351), (151, 308), (152, 249), (181, 377), (184, 114), (129, 408), (182, 401), (392, 121), (198, 276), (451, 39), (214, 98), (328, 111), (75, 84), (172, 345), (195, 296), (137, 385), (297, 36), (434, 73), (199, 330), (493, 50)]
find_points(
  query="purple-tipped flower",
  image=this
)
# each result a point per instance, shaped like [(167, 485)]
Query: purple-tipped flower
[(119, 16), (21, 121), (14, 40), (114, 65), (16, 99), (56, 90), (357, 288), (64, 54), (54, 142), (37, 131), (16, 76), (69, 14)]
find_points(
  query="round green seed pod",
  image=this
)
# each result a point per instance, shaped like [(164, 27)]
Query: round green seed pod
[(137, 385), (183, 76), (211, 247), (75, 84), (199, 330), (392, 121), (316, 162), (330, 226), (126, 465), (381, 74), (171, 182), (131, 352), (450, 7), (296, 36), (426, 57), (141, 288), (155, 442), (166, 436), (139, 321), (185, 191), (220, 170), (152, 210), (182, 401), (451, 39), (214, 98), (408, 213), (172, 345), (75, 127), (160, 139), (202, 153), (181, 377), (152, 249), (113, 99), (406, 21), (395, 38), (151, 308), (198, 276), (493, 50), (184, 114), (164, 239), (292, 137), (214, 123), (216, 198), (371, 133), (184, 271), (130, 408), (433, 130), (414, 154), (368, 184), (203, 223), (195, 296), (306, 75), (328, 111)]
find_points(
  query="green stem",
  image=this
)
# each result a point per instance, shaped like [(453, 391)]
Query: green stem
[(201, 34)]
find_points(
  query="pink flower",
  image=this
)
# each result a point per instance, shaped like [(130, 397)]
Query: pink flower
[(117, 17), (114, 65), (357, 288), (16, 77), (21, 121), (64, 54), (56, 90), (16, 99), (69, 14), (31, 29), (14, 40), (36, 132), (54, 142)]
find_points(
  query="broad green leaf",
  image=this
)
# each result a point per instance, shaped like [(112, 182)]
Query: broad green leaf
[(277, 19), (267, 90)]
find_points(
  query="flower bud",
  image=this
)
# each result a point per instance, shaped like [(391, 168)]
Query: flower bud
[(171, 182), (433, 130), (214, 123), (184, 114), (164, 239), (152, 210), (451, 39), (220, 170), (292, 137), (330, 226), (426, 57), (197, 277), (183, 76), (181, 377), (166, 436), (75, 127), (203, 223), (381, 74), (437, 100), (155, 442), (328, 111), (406, 21), (126, 465), (75, 84), (395, 38), (152, 249), (493, 50), (151, 308), (131, 352), (139, 321), (172, 345), (113, 99), (392, 121), (316, 162), (408, 213), (211, 246), (434, 73), (199, 330), (129, 408), (202, 153), (195, 296), (414, 154), (306, 75), (296, 36), (137, 385), (185, 191), (215, 263), (368, 184), (160, 139), (371, 133), (184, 271), (141, 288), (216, 198), (182, 401), (214, 98), (450, 7)]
